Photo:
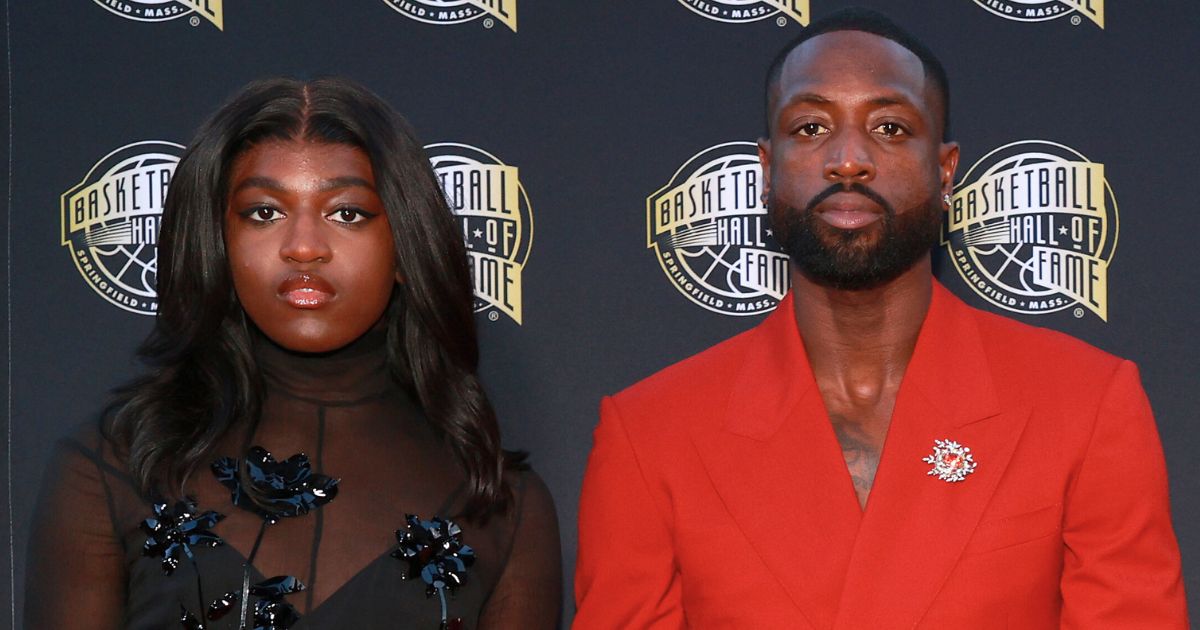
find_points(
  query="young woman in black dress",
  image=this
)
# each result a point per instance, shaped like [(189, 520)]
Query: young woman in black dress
[(311, 447)]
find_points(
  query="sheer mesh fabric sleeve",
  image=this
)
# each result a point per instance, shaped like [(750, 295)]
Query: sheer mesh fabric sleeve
[(529, 593), (75, 576)]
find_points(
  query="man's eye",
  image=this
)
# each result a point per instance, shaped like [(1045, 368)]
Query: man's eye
[(350, 215), (262, 214), (811, 129), (891, 129)]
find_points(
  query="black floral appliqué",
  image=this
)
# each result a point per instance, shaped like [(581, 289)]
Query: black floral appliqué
[(221, 606), (434, 551), (270, 611), (290, 487), (175, 529), (190, 621)]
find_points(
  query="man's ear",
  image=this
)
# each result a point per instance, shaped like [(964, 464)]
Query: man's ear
[(947, 166), (764, 158)]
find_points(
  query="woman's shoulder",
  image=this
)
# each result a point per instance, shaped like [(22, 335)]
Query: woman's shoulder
[(531, 495), (83, 440), (86, 454), (537, 490), (533, 519), (529, 592)]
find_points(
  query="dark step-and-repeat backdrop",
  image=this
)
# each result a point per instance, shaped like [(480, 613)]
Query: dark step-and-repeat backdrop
[(586, 112)]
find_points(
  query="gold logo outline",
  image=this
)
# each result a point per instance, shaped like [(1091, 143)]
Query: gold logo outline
[(215, 15), (1096, 16), (521, 253), (692, 166), (1111, 223), (90, 178), (483, 6)]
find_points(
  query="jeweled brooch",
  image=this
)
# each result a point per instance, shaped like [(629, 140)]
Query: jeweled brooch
[(951, 461)]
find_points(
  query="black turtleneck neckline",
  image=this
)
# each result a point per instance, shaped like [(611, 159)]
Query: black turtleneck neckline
[(353, 373)]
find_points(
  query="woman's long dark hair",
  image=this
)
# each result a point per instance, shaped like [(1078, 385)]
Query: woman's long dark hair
[(203, 379)]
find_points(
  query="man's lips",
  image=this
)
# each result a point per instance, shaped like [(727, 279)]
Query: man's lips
[(848, 211), (306, 290)]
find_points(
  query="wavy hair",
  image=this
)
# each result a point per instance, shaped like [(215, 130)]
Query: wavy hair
[(203, 380)]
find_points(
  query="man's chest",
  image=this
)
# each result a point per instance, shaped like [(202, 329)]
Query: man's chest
[(861, 429)]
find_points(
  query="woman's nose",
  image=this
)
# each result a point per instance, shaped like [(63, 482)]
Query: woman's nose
[(305, 240)]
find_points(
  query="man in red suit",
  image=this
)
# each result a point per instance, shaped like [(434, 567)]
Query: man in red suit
[(876, 454)]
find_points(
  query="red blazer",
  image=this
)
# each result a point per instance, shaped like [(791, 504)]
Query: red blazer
[(716, 495)]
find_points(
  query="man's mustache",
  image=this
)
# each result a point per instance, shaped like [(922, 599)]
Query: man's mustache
[(854, 187)]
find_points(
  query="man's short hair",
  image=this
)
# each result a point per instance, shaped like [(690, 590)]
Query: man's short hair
[(866, 21)]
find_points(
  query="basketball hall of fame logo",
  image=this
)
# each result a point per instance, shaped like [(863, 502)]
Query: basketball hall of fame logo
[(1032, 229), (493, 210), (164, 10), (1043, 10), (110, 222), (751, 10), (458, 11), (709, 230)]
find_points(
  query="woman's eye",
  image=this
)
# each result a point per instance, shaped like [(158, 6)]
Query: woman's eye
[(350, 215), (891, 129), (811, 129), (263, 214)]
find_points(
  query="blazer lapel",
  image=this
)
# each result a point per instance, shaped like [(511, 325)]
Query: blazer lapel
[(777, 467), (917, 525)]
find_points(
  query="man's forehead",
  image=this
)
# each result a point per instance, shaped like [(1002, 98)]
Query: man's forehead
[(853, 59)]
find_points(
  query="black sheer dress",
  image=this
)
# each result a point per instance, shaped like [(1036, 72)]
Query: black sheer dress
[(91, 565)]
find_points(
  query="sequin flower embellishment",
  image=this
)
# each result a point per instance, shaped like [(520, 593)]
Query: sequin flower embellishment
[(434, 551), (174, 530), (951, 461), (290, 487), (270, 611)]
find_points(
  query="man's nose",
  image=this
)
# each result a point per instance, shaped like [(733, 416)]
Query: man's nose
[(305, 240), (849, 159)]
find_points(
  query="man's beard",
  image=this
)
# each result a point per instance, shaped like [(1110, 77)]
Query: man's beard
[(848, 259)]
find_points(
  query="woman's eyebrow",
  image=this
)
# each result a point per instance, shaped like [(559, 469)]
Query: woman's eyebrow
[(348, 181), (259, 182), (268, 183)]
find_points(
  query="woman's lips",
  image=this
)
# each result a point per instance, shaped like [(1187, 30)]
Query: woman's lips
[(306, 290)]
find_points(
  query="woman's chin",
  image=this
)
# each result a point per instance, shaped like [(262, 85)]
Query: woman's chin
[(311, 339)]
